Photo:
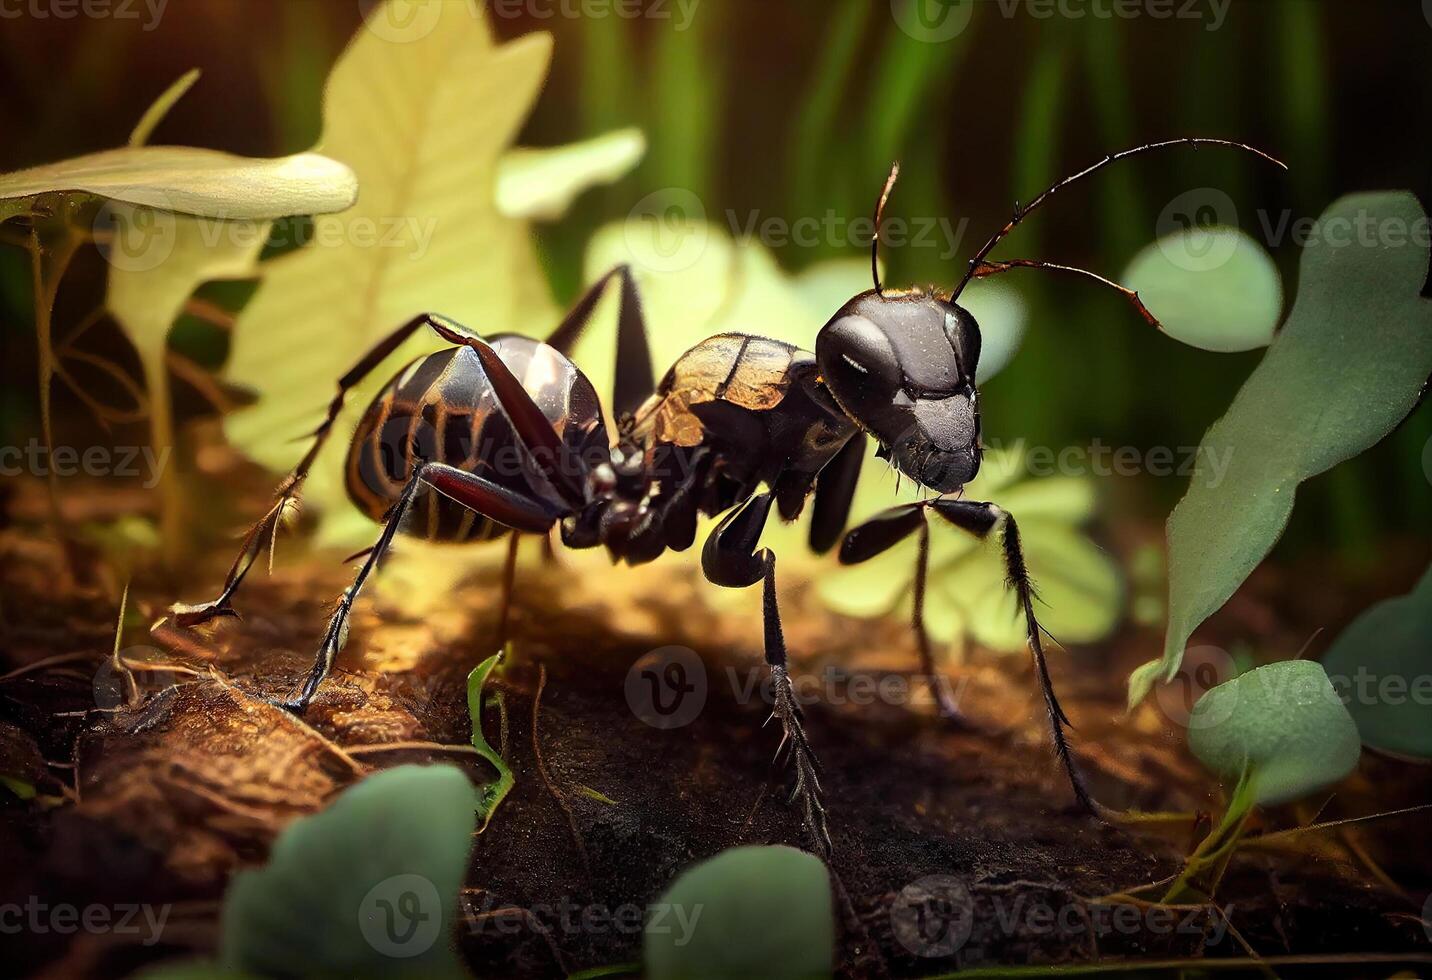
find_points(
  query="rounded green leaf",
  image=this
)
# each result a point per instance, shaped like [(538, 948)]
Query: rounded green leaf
[(368, 887), (747, 912), (1003, 315), (1382, 666), (1283, 724), (1213, 288)]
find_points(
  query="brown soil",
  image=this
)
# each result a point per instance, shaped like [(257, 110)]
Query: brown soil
[(160, 802)]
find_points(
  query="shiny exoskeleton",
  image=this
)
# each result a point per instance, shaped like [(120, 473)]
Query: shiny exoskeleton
[(505, 434)]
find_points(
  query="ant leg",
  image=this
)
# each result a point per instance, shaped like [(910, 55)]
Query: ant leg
[(730, 558), (834, 490), (509, 581), (980, 519), (880, 533), (633, 381), (472, 491), (267, 527)]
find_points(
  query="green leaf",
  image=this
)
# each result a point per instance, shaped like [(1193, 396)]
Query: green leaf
[(492, 793), (1214, 288), (541, 184), (1382, 664), (1283, 723), (1349, 364), (193, 180), (22, 789), (368, 887), (747, 912)]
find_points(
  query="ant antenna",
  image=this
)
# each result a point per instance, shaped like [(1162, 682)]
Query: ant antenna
[(978, 266), (875, 235)]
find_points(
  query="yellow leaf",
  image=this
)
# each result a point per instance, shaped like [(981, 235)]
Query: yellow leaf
[(423, 106), (541, 184), (194, 180)]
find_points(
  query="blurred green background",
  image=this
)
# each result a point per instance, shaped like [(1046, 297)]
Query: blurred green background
[(794, 109)]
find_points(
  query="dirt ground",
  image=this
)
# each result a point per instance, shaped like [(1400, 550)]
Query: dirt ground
[(161, 802)]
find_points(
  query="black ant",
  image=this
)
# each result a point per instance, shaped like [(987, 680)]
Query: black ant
[(509, 433)]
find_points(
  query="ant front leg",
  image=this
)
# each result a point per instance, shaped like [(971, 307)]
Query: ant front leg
[(880, 533), (474, 492), (981, 519), (730, 558)]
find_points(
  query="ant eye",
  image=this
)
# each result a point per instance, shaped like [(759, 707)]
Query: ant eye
[(858, 362), (964, 334)]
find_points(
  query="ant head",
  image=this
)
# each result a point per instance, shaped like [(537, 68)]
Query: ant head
[(902, 366)]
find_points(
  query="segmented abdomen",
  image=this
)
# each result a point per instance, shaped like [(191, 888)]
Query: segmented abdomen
[(441, 408)]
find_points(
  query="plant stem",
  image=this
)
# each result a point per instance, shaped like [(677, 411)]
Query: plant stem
[(48, 262)]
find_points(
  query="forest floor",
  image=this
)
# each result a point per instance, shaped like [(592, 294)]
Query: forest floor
[(160, 802)]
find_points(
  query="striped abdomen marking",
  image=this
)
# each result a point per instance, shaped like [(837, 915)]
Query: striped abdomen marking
[(441, 408)]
